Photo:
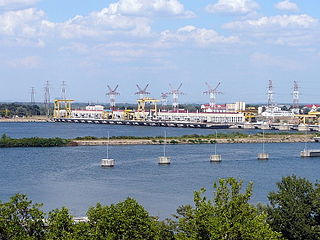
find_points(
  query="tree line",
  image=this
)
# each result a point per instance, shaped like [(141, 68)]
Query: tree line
[(293, 212), (8, 142), (21, 110)]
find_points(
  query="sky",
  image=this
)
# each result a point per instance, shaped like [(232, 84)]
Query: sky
[(91, 44)]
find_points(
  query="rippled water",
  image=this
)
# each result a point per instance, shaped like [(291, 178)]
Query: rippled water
[(72, 130), (72, 176)]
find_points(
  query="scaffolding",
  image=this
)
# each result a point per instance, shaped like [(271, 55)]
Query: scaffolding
[(62, 105)]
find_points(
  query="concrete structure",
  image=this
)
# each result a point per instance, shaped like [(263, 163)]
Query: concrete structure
[(164, 160), (275, 111), (107, 162), (215, 158), (212, 117), (303, 127), (310, 153), (224, 108), (263, 156)]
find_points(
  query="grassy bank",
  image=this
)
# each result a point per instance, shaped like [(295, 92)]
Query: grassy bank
[(7, 142), (236, 137)]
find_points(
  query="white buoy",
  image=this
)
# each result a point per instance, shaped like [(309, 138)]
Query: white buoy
[(107, 162), (164, 160), (215, 157), (263, 155)]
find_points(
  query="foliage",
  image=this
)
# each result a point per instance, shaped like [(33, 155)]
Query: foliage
[(6, 142), (126, 220), (20, 219), (295, 209), (227, 216), (294, 212), (21, 110), (60, 224)]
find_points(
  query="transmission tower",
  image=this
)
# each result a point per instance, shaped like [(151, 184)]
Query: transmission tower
[(112, 95), (212, 92), (32, 97), (175, 95), (63, 90), (142, 92), (270, 94), (164, 100), (47, 98), (296, 96)]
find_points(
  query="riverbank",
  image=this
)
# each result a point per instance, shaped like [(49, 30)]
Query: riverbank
[(6, 141), (250, 139), (26, 119)]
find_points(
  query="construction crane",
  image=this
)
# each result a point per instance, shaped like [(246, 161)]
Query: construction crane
[(142, 92), (175, 96), (112, 95), (212, 92)]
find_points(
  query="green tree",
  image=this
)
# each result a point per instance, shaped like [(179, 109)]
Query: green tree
[(126, 220), (20, 219), (60, 224), (227, 216), (294, 209)]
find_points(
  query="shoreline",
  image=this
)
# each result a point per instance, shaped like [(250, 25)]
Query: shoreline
[(175, 141), (25, 120)]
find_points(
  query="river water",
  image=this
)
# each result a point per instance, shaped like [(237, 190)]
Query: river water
[(72, 176)]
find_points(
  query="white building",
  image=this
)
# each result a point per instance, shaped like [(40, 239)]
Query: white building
[(275, 112)]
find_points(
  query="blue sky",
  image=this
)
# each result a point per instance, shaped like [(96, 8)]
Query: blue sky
[(89, 44)]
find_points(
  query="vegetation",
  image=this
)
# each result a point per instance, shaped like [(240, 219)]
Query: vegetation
[(7, 142), (293, 214), (228, 215), (20, 110), (295, 209)]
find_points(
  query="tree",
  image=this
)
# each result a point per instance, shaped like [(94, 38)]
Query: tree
[(60, 224), (20, 219), (227, 216), (126, 220), (294, 209)]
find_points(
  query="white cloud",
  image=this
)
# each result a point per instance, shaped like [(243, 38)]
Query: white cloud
[(148, 7), (15, 4), (281, 21), (286, 5), (233, 6), (264, 59), (29, 62), (200, 36)]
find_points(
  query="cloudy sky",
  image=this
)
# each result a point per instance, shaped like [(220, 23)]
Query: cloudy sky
[(89, 44)]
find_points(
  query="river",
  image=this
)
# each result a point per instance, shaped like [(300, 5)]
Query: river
[(72, 176)]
